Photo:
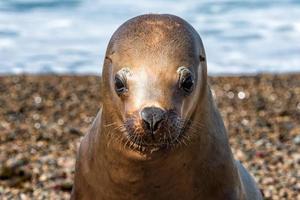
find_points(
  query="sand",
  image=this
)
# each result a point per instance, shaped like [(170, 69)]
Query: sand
[(42, 119)]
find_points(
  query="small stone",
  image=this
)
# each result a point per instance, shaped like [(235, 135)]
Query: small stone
[(213, 92), (260, 154), (297, 140), (43, 177), (230, 95), (60, 122), (241, 95), (245, 122), (75, 131), (227, 87), (37, 125), (65, 186), (298, 106), (268, 180), (37, 100), (6, 172), (36, 116)]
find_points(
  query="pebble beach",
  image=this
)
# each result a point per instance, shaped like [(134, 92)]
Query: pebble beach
[(43, 118)]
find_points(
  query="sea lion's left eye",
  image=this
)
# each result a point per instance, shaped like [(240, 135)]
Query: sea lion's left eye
[(186, 80), (120, 84), (187, 84)]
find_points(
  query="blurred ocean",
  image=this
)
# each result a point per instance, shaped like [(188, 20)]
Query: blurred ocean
[(70, 36)]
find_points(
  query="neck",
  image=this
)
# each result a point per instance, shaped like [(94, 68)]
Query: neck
[(189, 170), (143, 176)]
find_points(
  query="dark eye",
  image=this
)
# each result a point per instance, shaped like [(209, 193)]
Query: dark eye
[(187, 83), (186, 80), (120, 84)]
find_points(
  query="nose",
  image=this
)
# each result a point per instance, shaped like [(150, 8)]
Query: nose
[(152, 117)]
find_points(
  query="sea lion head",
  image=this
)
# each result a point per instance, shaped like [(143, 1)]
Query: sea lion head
[(153, 78)]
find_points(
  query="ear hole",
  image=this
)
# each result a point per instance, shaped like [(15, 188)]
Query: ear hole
[(202, 58), (108, 58)]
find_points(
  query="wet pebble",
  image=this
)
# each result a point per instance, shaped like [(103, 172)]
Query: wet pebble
[(42, 120)]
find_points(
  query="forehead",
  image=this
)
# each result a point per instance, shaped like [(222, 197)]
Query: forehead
[(153, 63), (153, 45), (151, 75)]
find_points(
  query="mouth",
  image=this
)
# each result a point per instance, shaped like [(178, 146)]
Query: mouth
[(144, 148), (140, 144), (170, 134)]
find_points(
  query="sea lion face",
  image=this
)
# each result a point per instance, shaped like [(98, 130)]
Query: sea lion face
[(155, 82), (153, 101)]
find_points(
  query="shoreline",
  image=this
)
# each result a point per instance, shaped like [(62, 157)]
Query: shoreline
[(71, 74), (43, 117)]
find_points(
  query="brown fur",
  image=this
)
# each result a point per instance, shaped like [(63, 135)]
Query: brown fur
[(200, 167)]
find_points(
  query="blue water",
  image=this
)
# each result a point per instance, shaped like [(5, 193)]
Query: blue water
[(70, 36)]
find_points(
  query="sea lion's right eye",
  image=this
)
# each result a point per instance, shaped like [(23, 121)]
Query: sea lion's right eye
[(120, 84), (186, 80)]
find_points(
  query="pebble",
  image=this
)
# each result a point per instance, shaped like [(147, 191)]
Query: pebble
[(241, 95), (38, 147), (37, 99), (297, 140)]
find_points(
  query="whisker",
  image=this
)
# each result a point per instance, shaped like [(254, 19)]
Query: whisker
[(111, 124)]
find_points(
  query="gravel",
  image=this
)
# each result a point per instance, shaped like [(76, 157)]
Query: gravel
[(42, 119)]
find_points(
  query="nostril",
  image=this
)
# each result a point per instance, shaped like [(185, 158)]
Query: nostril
[(152, 117), (147, 124), (156, 124)]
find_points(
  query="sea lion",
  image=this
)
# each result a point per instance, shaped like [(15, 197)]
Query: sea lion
[(158, 134)]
